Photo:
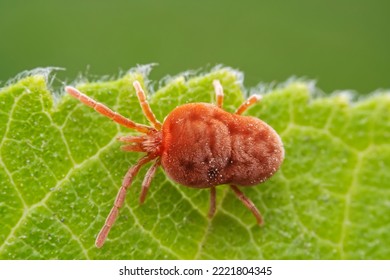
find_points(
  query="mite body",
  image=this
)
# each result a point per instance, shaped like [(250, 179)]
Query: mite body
[(205, 146), (198, 145)]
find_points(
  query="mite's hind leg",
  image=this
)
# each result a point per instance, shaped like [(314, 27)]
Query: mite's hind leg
[(248, 204), (105, 111), (145, 106), (120, 198), (218, 93), (212, 202), (147, 180), (249, 102)]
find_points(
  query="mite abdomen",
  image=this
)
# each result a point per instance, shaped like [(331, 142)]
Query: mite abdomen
[(213, 147)]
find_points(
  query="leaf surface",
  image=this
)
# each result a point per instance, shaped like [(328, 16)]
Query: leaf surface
[(61, 167)]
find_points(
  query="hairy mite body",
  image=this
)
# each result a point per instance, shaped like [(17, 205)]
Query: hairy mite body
[(205, 146), (199, 145)]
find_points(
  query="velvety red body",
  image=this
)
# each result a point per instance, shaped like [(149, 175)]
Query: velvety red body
[(204, 146)]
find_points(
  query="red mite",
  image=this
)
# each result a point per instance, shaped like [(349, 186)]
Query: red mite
[(199, 145)]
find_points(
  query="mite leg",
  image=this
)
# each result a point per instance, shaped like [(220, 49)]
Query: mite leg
[(212, 202), (248, 204), (105, 111), (250, 101), (147, 180), (131, 139), (145, 106), (135, 143), (120, 198), (134, 147), (218, 92)]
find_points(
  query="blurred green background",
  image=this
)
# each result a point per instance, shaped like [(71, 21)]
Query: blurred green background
[(342, 44)]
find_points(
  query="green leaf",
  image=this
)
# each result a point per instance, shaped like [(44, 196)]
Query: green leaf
[(61, 167)]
